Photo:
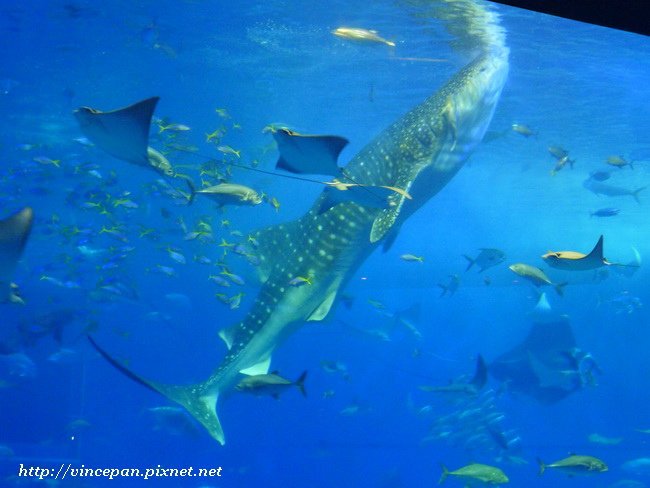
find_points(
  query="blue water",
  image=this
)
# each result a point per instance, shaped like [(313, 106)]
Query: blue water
[(578, 86)]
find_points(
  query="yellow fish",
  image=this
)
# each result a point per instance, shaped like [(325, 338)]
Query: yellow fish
[(524, 130), (357, 34), (536, 276), (412, 257), (618, 161), (575, 464)]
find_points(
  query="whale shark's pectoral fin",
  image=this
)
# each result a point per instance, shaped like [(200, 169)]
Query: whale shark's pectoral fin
[(200, 402), (308, 154), (122, 133), (387, 218), (324, 308), (258, 368), (14, 232)]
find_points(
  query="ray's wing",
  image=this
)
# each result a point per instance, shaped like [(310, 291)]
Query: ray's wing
[(308, 154), (122, 133), (545, 344), (14, 232)]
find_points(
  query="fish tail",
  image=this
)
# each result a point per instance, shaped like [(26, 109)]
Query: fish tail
[(14, 295), (300, 383), (559, 288), (444, 289), (471, 262), (635, 194), (197, 399), (192, 194), (480, 375), (445, 473), (542, 467)]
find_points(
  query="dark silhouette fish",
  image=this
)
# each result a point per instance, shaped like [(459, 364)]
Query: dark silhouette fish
[(605, 212)]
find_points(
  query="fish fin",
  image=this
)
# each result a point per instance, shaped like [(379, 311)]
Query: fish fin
[(388, 216), (449, 138), (14, 295), (197, 399), (471, 262), (542, 467), (273, 242), (14, 232), (308, 154), (445, 473), (192, 191), (323, 309), (559, 288), (227, 334), (480, 375), (259, 368), (300, 383), (635, 193), (597, 252), (122, 133)]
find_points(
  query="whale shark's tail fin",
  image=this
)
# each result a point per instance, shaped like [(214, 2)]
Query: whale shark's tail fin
[(196, 399)]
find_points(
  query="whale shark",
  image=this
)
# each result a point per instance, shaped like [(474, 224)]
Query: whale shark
[(14, 232), (419, 153)]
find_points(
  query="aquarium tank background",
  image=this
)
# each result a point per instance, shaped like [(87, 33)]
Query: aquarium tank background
[(445, 289)]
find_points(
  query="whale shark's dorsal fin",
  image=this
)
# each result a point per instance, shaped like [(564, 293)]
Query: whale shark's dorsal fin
[(14, 231), (122, 133), (324, 308), (308, 154)]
